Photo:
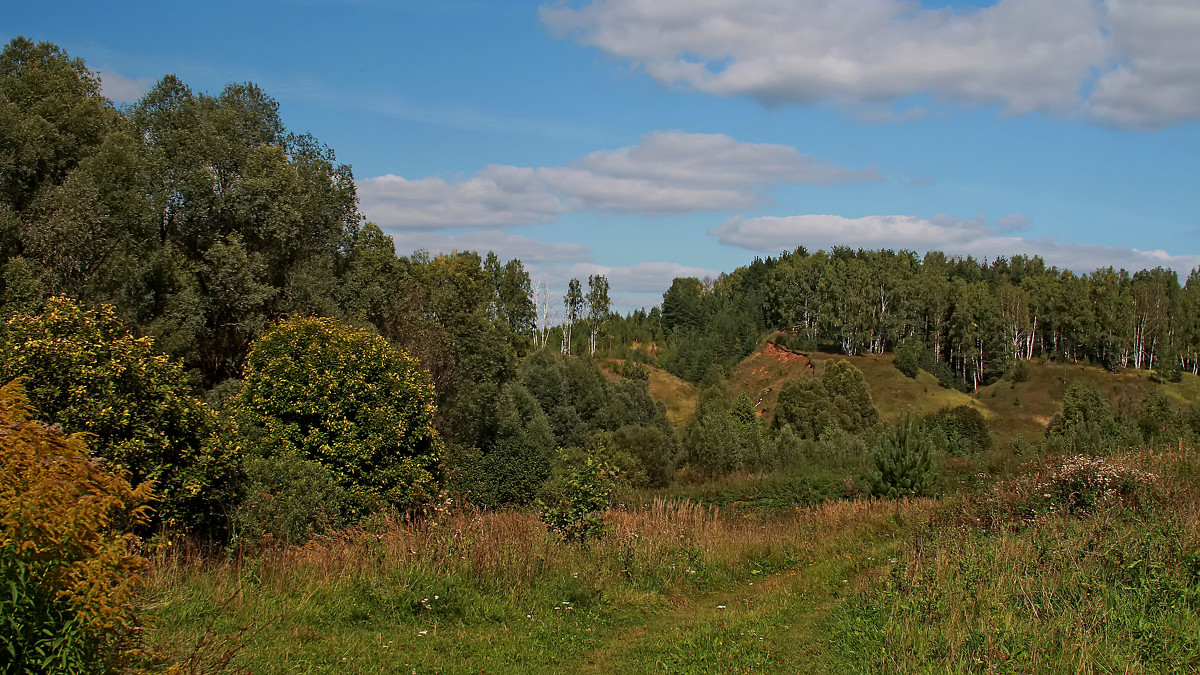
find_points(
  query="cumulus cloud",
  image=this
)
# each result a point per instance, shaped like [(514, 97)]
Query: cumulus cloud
[(647, 277), (116, 87), (668, 173), (505, 245), (951, 235), (1122, 62)]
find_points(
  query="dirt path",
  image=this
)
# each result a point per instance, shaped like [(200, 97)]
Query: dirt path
[(767, 625)]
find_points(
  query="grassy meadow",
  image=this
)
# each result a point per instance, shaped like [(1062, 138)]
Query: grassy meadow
[(1042, 562)]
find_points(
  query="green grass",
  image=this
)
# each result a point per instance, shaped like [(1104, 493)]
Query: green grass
[(1114, 591), (679, 396)]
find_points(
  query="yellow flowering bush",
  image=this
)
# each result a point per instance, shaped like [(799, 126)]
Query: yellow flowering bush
[(83, 370), (348, 400), (69, 580)]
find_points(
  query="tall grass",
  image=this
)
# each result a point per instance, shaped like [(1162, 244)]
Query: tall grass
[(466, 575), (1111, 588)]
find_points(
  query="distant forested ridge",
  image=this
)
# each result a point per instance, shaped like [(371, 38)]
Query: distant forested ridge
[(969, 319)]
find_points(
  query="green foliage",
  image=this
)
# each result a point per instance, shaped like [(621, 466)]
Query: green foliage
[(287, 500), (84, 371), (654, 448), (724, 436), (903, 458), (909, 355), (1157, 419), (840, 399), (804, 406), (573, 503), (851, 398), (1018, 371), (515, 462), (70, 579), (348, 400), (1086, 420), (962, 429)]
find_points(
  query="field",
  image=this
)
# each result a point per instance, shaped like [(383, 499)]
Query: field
[(749, 573), (959, 584)]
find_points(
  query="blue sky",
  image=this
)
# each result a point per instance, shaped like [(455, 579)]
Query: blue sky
[(647, 139)]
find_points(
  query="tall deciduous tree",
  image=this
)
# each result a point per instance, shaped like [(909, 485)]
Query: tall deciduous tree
[(598, 305), (573, 304)]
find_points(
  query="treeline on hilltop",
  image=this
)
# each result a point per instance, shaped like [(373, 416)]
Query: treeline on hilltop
[(965, 320)]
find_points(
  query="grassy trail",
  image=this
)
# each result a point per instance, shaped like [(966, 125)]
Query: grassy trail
[(770, 625)]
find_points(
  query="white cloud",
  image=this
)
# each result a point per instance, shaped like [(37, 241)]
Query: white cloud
[(647, 277), (491, 198), (505, 245), (1014, 222), (669, 172), (953, 236), (1122, 62), (1157, 79), (116, 87)]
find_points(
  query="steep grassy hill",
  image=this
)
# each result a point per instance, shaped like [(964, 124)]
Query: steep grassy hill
[(679, 396), (1012, 409)]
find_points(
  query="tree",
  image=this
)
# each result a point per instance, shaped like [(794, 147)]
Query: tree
[(52, 115), (851, 397), (598, 305), (804, 405), (84, 371), (903, 458), (573, 302), (348, 400), (515, 296)]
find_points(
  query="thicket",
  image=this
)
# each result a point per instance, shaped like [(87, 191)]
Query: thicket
[(349, 401)]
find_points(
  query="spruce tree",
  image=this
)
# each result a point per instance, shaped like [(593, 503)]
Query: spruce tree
[(903, 461)]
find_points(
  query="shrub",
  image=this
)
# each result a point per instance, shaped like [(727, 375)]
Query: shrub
[(1157, 419), (84, 371), (804, 405), (348, 400), (69, 579), (722, 437), (1017, 372), (962, 430), (1083, 408), (574, 501), (903, 460), (847, 389), (1074, 485), (287, 500), (655, 450)]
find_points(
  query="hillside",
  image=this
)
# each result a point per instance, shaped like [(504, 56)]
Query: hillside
[(678, 395), (1012, 409)]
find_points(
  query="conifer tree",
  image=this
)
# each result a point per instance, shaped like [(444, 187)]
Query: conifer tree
[(903, 461)]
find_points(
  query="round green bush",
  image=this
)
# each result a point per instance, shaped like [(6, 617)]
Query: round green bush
[(348, 400)]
